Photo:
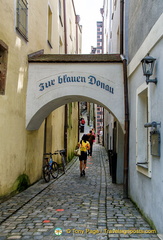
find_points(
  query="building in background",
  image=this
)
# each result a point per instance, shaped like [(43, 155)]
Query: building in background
[(30, 28), (99, 49)]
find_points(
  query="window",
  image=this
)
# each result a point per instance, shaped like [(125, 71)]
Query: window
[(60, 12), (49, 27), (3, 66), (115, 4), (70, 24), (22, 18), (142, 133)]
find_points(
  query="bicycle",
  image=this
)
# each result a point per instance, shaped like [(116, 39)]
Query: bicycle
[(63, 156), (50, 168)]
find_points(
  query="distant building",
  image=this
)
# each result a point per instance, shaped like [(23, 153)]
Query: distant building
[(93, 50), (99, 49)]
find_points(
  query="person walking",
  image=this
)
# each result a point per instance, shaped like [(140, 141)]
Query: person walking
[(84, 147), (91, 138)]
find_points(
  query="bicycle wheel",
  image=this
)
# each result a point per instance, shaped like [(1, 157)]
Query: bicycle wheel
[(54, 170), (46, 173), (63, 164)]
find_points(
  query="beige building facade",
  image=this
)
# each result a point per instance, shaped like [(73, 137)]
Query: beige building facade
[(30, 28)]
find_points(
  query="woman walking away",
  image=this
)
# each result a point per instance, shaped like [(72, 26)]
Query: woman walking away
[(84, 147)]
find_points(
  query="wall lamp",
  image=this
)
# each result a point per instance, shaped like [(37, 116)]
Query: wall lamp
[(148, 64)]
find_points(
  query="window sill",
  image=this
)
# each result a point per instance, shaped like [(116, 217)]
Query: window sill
[(144, 169), (21, 33), (143, 165)]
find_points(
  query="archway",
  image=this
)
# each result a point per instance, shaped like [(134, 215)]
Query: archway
[(54, 80)]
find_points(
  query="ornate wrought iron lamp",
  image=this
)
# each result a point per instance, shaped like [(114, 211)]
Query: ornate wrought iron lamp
[(148, 65)]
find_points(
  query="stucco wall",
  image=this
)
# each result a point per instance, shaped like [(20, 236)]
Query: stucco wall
[(22, 150), (142, 17), (147, 191)]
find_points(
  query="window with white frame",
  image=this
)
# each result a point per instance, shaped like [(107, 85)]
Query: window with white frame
[(22, 18), (142, 133)]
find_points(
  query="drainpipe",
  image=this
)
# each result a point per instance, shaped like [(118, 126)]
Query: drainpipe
[(126, 104), (77, 33), (126, 128), (121, 26), (66, 106), (65, 24)]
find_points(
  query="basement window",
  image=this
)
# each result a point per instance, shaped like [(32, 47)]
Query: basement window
[(22, 18), (3, 66)]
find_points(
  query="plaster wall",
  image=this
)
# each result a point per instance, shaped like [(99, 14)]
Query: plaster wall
[(142, 17), (22, 150), (146, 189)]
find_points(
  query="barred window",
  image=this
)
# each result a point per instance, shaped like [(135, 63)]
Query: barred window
[(22, 18)]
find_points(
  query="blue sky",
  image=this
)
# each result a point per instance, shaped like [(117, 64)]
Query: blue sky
[(89, 11)]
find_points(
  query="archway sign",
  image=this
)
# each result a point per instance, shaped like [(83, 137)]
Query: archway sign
[(55, 80)]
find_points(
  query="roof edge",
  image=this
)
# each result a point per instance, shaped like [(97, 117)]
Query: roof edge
[(74, 58)]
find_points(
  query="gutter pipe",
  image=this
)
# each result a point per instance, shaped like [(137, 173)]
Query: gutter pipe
[(126, 127), (126, 103), (65, 24), (66, 106)]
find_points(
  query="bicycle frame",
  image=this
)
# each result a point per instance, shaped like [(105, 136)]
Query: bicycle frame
[(62, 154), (50, 168)]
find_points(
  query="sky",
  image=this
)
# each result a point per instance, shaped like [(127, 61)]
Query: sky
[(89, 11)]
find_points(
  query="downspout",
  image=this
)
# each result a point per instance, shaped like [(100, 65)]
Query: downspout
[(126, 104), (126, 128), (121, 26), (65, 24), (77, 33), (66, 106)]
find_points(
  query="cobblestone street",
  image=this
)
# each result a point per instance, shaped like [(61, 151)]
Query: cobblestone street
[(89, 207)]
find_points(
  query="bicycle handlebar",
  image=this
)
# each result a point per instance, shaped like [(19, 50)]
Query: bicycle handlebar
[(63, 151), (49, 153), (60, 152)]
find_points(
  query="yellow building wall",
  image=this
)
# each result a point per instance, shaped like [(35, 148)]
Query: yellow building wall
[(22, 150), (72, 130)]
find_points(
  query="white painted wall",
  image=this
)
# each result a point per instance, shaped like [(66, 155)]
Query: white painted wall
[(146, 186)]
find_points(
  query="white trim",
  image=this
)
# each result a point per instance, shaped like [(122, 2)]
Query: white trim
[(152, 38), (146, 171)]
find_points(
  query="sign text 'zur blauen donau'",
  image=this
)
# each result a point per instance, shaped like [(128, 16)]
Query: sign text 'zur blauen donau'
[(65, 79)]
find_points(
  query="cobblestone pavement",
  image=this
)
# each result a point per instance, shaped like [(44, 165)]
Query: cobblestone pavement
[(89, 207)]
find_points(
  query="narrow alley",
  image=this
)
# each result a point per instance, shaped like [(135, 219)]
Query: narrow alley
[(74, 207)]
